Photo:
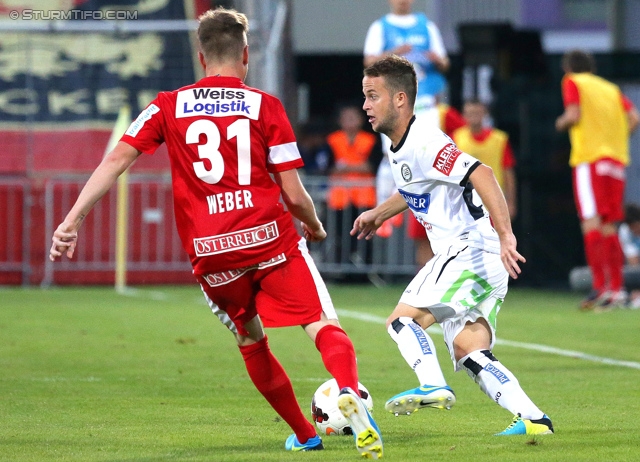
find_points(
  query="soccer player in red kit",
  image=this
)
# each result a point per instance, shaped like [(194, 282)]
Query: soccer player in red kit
[(225, 140), (600, 119)]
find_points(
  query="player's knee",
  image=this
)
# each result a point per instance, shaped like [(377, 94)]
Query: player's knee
[(609, 229), (390, 320), (475, 336), (246, 340), (397, 323)]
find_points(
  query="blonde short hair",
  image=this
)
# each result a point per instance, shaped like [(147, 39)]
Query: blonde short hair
[(222, 34)]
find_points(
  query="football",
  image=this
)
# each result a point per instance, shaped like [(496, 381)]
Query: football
[(324, 409)]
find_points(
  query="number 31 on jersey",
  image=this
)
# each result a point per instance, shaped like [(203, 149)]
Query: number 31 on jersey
[(211, 149)]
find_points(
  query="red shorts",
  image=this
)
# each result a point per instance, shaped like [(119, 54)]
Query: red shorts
[(598, 189), (414, 229), (285, 291)]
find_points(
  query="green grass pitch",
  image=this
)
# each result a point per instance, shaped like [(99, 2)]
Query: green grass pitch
[(89, 375)]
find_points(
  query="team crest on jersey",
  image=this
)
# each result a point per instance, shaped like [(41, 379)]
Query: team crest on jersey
[(446, 158), (405, 171)]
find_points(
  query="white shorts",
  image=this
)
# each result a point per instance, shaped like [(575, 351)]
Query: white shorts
[(460, 286)]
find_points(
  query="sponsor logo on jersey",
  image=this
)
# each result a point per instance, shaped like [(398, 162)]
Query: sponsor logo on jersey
[(446, 158), (236, 240), (417, 202), (422, 339), (493, 370), (424, 223), (405, 171), (225, 277), (218, 102), (145, 115), (217, 93)]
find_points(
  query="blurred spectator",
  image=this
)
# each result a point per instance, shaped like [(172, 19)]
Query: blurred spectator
[(629, 234), (418, 39), (491, 147), (355, 155), (313, 148), (354, 158), (599, 119), (449, 118)]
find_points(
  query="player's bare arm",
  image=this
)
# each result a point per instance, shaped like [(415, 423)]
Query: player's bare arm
[(300, 205), (441, 62), (368, 222), (112, 166), (633, 119), (569, 117), (486, 185), (510, 192)]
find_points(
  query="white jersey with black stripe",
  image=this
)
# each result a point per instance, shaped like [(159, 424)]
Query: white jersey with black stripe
[(432, 175)]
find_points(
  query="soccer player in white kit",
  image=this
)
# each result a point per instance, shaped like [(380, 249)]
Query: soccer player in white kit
[(417, 38), (463, 285)]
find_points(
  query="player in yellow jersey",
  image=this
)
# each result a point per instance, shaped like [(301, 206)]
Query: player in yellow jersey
[(490, 146), (599, 119)]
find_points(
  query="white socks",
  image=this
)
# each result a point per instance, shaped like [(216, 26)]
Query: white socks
[(499, 384), (418, 350)]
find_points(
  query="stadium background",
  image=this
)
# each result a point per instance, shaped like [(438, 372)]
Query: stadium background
[(63, 84)]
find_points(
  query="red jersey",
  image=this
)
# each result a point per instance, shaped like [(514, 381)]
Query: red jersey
[(223, 139)]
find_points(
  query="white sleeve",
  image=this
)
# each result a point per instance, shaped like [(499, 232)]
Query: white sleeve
[(444, 161), (626, 242), (435, 39), (373, 43)]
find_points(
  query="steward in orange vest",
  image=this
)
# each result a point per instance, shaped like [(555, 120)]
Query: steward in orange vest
[(356, 154)]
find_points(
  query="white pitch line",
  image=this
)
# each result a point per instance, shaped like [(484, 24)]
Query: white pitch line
[(527, 346), (435, 329)]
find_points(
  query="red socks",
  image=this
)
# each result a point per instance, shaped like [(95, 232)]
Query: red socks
[(594, 251), (614, 261), (606, 260), (269, 377), (338, 356)]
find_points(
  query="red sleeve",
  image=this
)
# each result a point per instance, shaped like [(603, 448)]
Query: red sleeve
[(508, 159), (570, 94), (626, 103), (453, 120), (281, 141), (145, 133)]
